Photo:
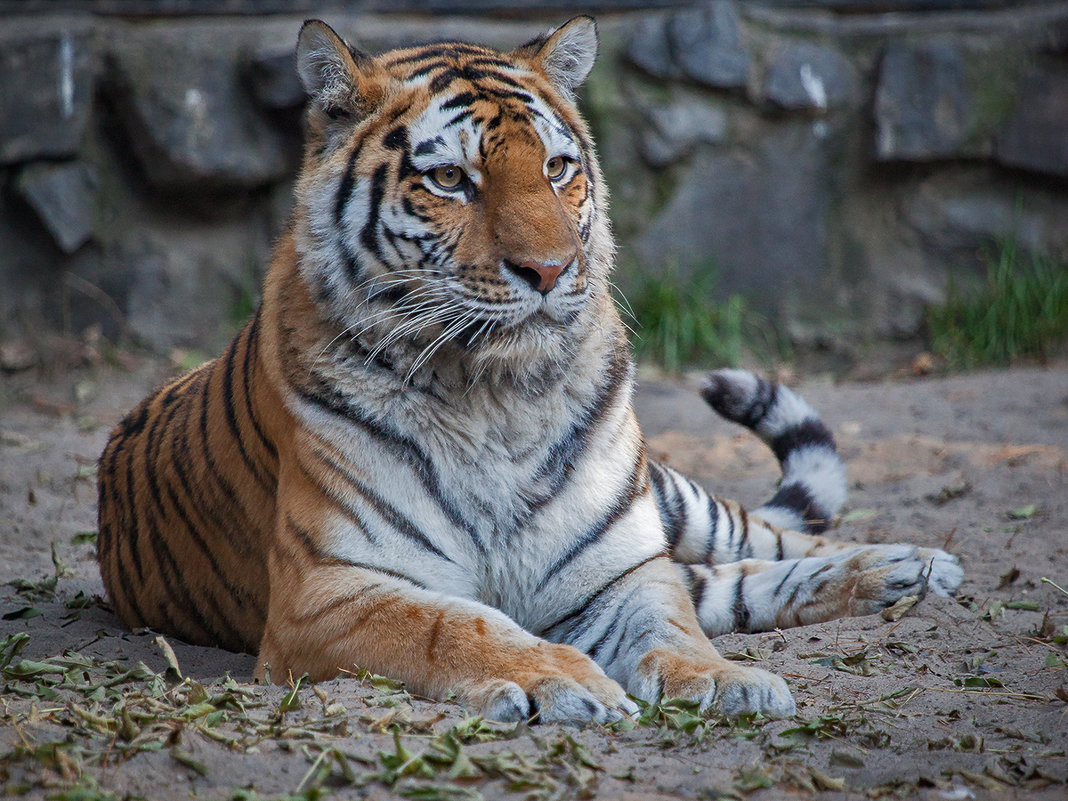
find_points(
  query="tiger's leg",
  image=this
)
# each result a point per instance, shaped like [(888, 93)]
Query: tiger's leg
[(327, 616), (706, 531), (759, 595), (642, 629)]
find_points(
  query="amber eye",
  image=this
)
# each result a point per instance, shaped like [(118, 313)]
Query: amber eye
[(448, 177), (556, 167)]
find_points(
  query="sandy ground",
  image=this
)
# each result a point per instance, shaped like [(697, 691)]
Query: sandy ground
[(957, 699)]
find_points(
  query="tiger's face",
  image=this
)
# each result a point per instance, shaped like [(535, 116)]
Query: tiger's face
[(452, 191)]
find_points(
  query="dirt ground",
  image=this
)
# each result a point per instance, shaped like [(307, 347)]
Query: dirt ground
[(957, 699)]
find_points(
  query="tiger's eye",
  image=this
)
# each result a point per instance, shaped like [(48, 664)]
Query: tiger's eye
[(555, 167), (448, 177)]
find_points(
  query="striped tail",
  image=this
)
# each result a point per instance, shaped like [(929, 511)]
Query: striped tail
[(813, 485)]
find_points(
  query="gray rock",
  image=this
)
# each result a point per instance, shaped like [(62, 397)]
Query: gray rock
[(756, 220), (189, 120), (272, 76), (924, 107), (706, 45), (806, 76), (649, 48), (675, 130), (45, 90), (1035, 137), (62, 196)]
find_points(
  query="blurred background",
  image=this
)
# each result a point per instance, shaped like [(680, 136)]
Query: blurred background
[(849, 183)]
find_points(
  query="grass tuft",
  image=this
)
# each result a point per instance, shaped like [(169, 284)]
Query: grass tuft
[(678, 326), (1021, 311)]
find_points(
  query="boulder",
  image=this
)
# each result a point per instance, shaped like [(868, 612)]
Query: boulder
[(809, 77), (675, 130), (1035, 136), (62, 196), (755, 220), (650, 50), (924, 106), (45, 89), (272, 76), (706, 45), (189, 120)]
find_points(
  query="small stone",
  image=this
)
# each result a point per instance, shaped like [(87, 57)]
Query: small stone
[(16, 356), (62, 195), (1035, 137), (804, 76), (45, 91), (272, 76), (676, 129), (706, 45)]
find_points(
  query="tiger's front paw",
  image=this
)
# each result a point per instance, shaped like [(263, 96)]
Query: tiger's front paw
[(563, 686), (735, 689)]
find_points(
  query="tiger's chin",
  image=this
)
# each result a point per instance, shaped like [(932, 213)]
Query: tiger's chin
[(527, 345)]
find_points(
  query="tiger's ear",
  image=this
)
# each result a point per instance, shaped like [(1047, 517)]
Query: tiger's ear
[(341, 80), (565, 55)]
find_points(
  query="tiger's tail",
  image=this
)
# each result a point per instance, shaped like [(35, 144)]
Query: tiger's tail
[(813, 486)]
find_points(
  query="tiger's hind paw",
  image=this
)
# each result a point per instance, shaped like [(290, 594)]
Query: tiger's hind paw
[(734, 689), (943, 571)]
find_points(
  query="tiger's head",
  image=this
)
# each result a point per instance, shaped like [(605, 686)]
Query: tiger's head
[(450, 194)]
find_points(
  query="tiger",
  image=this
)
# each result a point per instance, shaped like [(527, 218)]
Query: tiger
[(420, 457)]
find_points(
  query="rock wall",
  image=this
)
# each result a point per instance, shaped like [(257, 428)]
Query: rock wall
[(834, 168)]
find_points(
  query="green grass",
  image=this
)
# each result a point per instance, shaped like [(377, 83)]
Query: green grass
[(1020, 311), (678, 326)]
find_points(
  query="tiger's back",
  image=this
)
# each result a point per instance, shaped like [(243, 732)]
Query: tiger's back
[(187, 487)]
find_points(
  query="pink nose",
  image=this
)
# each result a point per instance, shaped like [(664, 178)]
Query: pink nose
[(541, 277)]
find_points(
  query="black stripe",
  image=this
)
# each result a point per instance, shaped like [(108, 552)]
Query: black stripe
[(786, 578), (252, 349), (135, 530), (327, 558), (458, 101), (178, 596), (402, 524), (743, 541), (344, 195), (396, 139), (209, 459), (668, 508), (231, 419), (400, 446), (636, 483), (369, 232), (713, 526), (595, 649), (564, 454), (580, 611), (805, 434), (697, 591), (206, 511), (738, 607), (428, 146), (795, 498)]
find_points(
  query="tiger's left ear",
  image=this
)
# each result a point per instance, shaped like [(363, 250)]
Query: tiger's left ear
[(565, 55)]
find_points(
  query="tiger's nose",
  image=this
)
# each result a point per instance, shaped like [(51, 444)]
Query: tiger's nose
[(541, 277)]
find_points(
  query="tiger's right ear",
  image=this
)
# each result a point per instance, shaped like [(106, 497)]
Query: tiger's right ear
[(342, 81)]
